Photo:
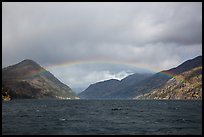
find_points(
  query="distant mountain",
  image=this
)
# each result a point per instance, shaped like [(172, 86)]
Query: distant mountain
[(27, 79), (139, 84), (100, 89), (111, 89), (134, 79)]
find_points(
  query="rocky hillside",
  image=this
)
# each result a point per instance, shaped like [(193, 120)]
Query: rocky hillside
[(5, 94), (27, 79), (187, 85)]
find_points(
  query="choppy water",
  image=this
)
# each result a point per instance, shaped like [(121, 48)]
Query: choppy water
[(101, 117)]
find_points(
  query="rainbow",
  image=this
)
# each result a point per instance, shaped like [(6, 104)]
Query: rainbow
[(100, 61)]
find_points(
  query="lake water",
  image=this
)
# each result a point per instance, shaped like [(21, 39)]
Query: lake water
[(98, 117)]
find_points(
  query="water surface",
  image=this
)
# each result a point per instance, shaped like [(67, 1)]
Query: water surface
[(116, 117)]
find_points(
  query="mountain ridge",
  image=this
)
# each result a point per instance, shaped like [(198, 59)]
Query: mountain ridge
[(105, 89), (27, 79), (187, 85)]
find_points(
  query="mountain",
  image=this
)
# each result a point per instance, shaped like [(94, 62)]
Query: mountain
[(187, 80), (134, 78), (136, 86), (111, 89), (160, 78), (187, 65), (27, 79), (187, 85), (100, 89)]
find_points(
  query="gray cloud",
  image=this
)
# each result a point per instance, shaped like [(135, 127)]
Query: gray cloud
[(155, 36), (82, 75)]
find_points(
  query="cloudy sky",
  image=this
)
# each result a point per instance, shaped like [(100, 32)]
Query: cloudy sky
[(83, 43)]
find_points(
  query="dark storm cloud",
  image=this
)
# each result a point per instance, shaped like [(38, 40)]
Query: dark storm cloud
[(157, 35)]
